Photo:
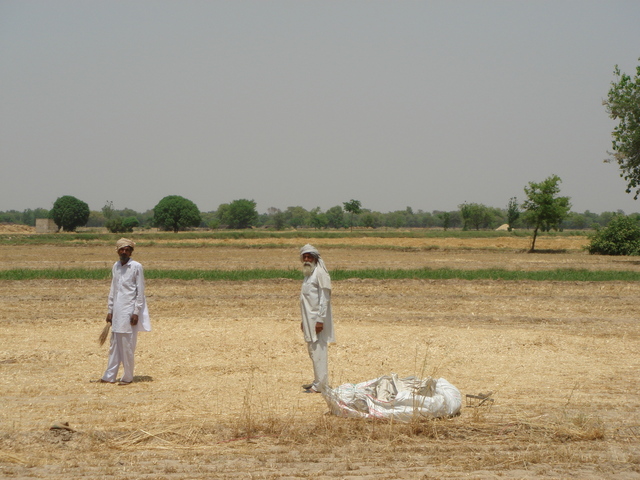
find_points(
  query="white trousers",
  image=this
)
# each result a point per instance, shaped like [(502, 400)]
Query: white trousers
[(318, 352), (121, 351)]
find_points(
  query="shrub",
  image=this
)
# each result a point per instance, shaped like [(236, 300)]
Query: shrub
[(620, 237)]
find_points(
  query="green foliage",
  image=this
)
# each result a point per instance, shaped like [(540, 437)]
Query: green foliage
[(130, 223), (114, 225), (279, 220), (623, 104), (475, 215), (296, 217), (513, 212), (620, 237), (354, 208), (335, 217), (560, 275), (108, 210), (29, 216), (239, 214), (176, 213), (69, 213), (446, 220), (317, 219), (122, 225), (371, 220), (543, 209)]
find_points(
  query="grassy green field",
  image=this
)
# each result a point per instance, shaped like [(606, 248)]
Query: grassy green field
[(562, 275)]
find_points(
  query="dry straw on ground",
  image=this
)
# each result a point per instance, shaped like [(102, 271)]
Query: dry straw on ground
[(217, 388)]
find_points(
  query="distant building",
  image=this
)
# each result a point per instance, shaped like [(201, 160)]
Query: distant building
[(46, 225)]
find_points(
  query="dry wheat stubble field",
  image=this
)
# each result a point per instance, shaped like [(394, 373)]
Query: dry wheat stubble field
[(217, 391)]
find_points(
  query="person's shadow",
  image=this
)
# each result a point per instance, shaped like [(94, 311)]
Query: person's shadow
[(142, 378)]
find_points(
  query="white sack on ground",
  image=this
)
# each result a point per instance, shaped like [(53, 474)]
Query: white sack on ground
[(400, 399)]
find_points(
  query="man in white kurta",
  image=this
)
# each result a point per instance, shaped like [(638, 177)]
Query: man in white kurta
[(127, 313), (317, 321)]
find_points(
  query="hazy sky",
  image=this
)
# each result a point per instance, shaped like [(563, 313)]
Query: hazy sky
[(424, 104)]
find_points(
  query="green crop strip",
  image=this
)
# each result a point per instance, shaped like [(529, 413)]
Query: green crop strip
[(559, 275)]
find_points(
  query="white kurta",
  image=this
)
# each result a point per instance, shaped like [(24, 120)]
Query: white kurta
[(126, 298), (315, 306)]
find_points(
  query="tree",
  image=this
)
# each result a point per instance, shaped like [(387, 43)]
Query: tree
[(279, 220), (620, 237), (354, 208), (296, 217), (335, 217), (107, 211), (446, 220), (176, 213), (475, 215), (240, 214), (69, 213), (543, 209), (623, 104), (513, 212), (317, 219), (371, 220)]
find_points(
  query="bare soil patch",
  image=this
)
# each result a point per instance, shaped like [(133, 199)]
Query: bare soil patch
[(217, 391)]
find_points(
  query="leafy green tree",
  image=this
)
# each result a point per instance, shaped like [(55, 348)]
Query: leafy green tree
[(317, 219), (623, 104), (279, 220), (446, 220), (475, 215), (296, 216), (335, 217), (222, 212), (371, 220), (11, 216), (240, 214), (424, 219), (176, 213), (354, 207), (620, 237), (69, 213), (544, 210), (513, 212)]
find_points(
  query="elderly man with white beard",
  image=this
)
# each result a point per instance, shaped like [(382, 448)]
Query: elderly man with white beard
[(317, 322)]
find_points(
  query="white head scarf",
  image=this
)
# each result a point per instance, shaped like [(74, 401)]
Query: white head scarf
[(124, 242), (325, 280)]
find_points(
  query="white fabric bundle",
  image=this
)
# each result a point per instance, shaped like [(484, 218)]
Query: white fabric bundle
[(390, 397)]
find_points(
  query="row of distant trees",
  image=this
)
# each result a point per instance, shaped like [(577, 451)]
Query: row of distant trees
[(176, 213)]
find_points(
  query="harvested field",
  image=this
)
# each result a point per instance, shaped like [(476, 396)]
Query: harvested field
[(473, 253), (217, 391)]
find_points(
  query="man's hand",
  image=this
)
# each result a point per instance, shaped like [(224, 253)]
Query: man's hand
[(319, 327), (134, 319), (109, 317)]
